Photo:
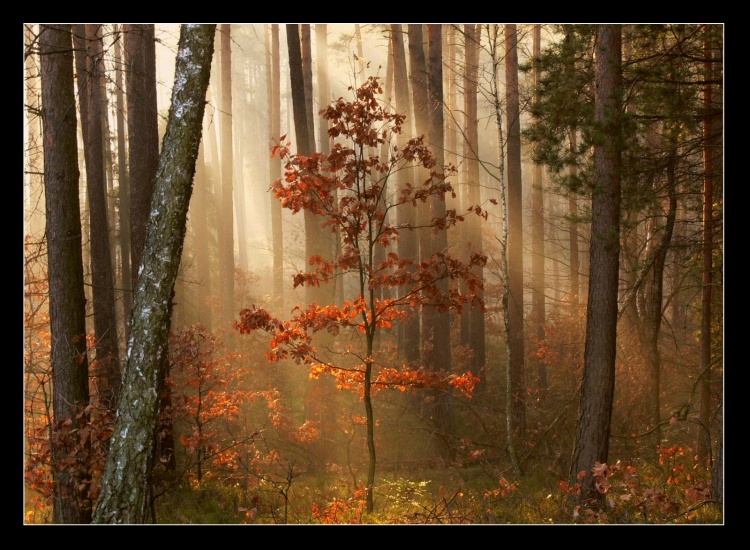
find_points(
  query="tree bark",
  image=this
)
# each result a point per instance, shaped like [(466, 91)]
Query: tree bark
[(537, 236), (439, 358), (126, 477), (106, 368), (143, 132), (70, 384), (226, 220), (408, 245), (276, 227), (515, 230), (199, 204), (597, 391), (473, 226), (123, 186)]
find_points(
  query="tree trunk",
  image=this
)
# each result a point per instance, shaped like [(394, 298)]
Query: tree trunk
[(573, 267), (476, 330), (538, 315), (69, 361), (420, 102), (597, 391), (199, 206), (123, 186), (125, 480), (243, 145), (515, 231), (107, 365), (143, 132), (226, 219), (439, 358), (276, 227), (408, 245)]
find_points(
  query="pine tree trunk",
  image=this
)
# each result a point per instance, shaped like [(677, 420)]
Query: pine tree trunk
[(538, 314), (143, 132), (276, 227), (408, 245), (107, 365), (226, 219), (439, 359), (597, 391), (515, 231), (69, 361), (123, 185)]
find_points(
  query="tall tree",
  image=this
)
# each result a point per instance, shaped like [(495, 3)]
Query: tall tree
[(33, 180), (88, 43), (275, 134), (226, 219), (199, 206), (384, 154), (242, 143), (537, 233), (143, 131), (475, 326), (420, 103), (123, 185), (408, 246), (597, 390), (126, 477), (315, 243), (439, 353), (515, 230), (70, 383)]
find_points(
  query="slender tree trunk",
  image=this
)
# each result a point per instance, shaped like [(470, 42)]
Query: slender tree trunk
[(199, 205), (125, 481), (313, 245), (101, 81), (420, 102), (107, 366), (383, 292), (123, 185), (226, 219), (408, 245), (143, 132), (244, 124), (573, 267), (538, 314), (327, 384), (515, 230), (652, 314), (33, 177), (473, 226), (70, 384), (439, 359), (276, 227), (597, 390)]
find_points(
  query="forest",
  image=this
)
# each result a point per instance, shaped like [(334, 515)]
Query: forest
[(373, 274)]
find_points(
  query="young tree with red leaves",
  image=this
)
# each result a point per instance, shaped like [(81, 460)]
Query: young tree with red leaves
[(346, 189)]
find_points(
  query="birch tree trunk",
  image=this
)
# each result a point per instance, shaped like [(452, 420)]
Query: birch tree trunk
[(126, 477)]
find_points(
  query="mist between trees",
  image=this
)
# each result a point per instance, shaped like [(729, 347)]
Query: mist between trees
[(373, 273)]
